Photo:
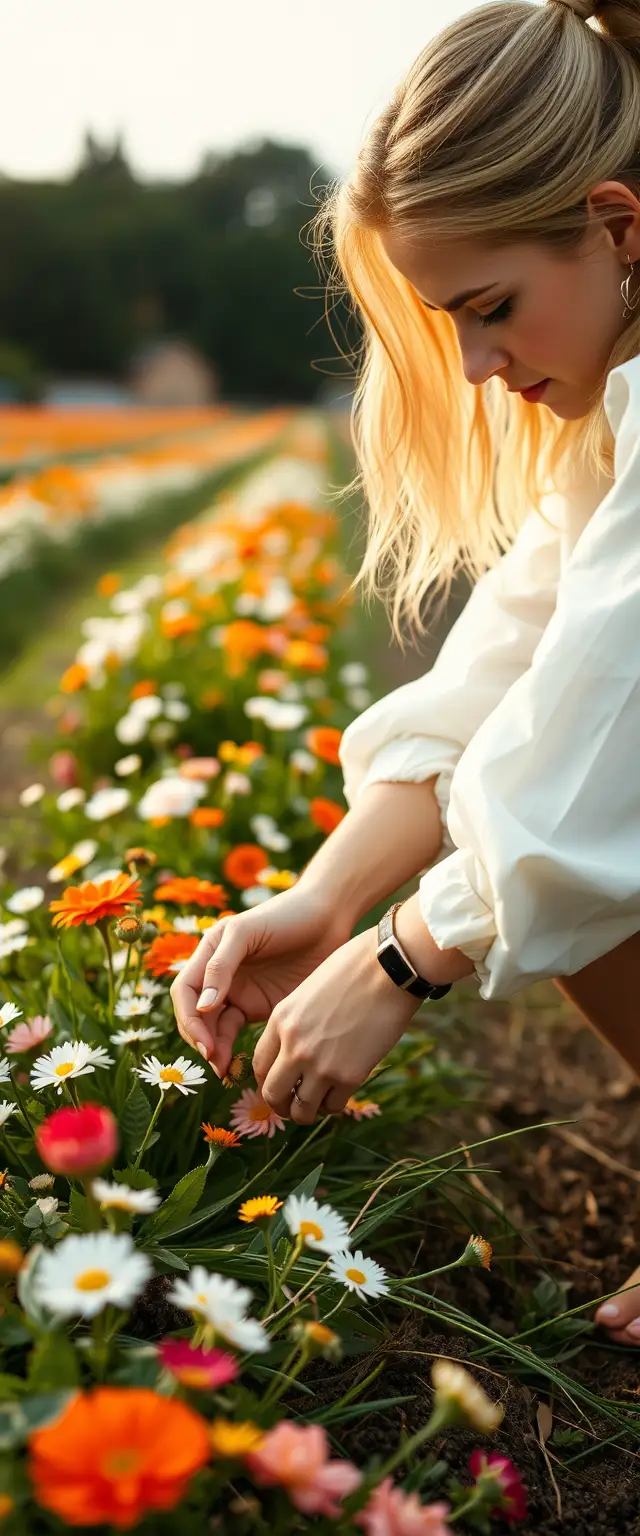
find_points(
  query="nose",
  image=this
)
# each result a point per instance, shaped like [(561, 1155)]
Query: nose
[(480, 363)]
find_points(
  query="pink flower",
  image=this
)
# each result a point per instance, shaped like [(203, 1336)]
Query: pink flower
[(295, 1457), (64, 769), (250, 1116), (78, 1141), (25, 1036), (390, 1512), (204, 1368), (199, 768), (511, 1497), (362, 1109)]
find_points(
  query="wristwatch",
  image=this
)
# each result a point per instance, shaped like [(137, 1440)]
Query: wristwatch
[(397, 964)]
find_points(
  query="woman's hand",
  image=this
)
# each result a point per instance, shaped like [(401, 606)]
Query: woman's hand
[(328, 1035), (252, 961)]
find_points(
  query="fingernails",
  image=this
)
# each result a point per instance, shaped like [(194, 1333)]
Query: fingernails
[(608, 1313), (202, 1049), (634, 1328), (207, 998)]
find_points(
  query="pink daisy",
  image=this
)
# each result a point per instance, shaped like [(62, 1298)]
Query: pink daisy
[(204, 1368), (25, 1036), (362, 1109), (250, 1116), (390, 1512)]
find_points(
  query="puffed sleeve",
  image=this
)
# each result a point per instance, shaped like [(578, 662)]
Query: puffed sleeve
[(423, 727), (544, 809)]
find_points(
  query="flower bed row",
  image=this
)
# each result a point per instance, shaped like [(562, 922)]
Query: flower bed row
[(173, 1255)]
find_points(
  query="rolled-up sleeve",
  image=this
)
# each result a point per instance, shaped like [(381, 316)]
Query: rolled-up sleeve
[(544, 806), (422, 729)]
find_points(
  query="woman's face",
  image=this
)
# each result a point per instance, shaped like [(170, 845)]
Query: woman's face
[(539, 314)]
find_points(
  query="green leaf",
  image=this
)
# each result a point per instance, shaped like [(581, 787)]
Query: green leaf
[(122, 1082), (179, 1204), (136, 1178), (166, 1259), (79, 1214), (134, 1118), (60, 1018), (11, 1386), (206, 1211), (53, 1364), (38, 1411)]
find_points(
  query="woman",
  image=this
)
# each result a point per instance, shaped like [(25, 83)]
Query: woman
[(488, 236)]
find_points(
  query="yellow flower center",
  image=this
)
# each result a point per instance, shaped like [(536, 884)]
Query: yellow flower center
[(64, 1068), (202, 1299), (121, 1463), (320, 1333), (92, 1280), (311, 1229), (259, 1112), (193, 1376), (356, 1275), (171, 1075)]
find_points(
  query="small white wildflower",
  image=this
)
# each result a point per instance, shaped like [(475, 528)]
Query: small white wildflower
[(26, 900)]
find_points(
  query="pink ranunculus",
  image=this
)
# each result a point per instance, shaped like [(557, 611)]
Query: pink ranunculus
[(199, 768), (295, 1457), (25, 1036), (208, 1369), (390, 1512), (64, 769), (78, 1141), (511, 1496)]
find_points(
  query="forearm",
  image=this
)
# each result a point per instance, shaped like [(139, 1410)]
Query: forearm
[(393, 832)]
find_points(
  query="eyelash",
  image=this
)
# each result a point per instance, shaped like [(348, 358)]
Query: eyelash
[(501, 313)]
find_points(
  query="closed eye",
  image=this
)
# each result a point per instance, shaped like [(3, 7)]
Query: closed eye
[(501, 313)]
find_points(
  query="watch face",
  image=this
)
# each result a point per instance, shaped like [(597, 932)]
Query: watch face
[(395, 966)]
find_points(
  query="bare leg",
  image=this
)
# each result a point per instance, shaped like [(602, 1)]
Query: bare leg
[(607, 994)]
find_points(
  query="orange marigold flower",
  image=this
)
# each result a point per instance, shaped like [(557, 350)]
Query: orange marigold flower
[(73, 679), (190, 891), (326, 814), (248, 753), (108, 584), (244, 639), (116, 1453), (234, 1440), (243, 864), (324, 741), (206, 816), (259, 1207), (304, 654), (89, 903), (216, 1136), (183, 624), (165, 954), (143, 689), (211, 698)]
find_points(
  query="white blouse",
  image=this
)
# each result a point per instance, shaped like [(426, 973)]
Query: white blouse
[(530, 717)]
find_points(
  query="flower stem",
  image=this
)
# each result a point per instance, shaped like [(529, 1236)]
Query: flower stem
[(104, 929), (22, 1106), (148, 1131)]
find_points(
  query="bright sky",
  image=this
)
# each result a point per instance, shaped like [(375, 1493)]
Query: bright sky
[(178, 77)]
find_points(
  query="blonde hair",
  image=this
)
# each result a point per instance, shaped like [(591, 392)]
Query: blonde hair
[(497, 133)]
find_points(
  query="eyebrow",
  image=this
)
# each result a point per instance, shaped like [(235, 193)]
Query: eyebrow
[(460, 298)]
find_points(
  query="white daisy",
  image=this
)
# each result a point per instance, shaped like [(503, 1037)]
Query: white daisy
[(26, 900), (180, 1074), (132, 1036), (224, 1305), (130, 729), (100, 875), (118, 958), (32, 794), (353, 674), (73, 1059), (319, 1225), (6, 1109), (85, 850), (144, 988), (70, 799), (120, 1197), (254, 894), (303, 761), (13, 937), (9, 1012), (5, 1070), (106, 802), (188, 924), (359, 1274), (83, 1273), (127, 765), (171, 796), (132, 1007)]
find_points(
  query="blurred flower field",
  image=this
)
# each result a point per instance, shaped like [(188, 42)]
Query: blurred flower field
[(180, 1269)]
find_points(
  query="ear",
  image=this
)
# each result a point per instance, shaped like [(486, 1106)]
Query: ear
[(617, 210)]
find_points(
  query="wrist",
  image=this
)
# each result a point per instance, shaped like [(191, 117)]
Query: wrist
[(441, 966)]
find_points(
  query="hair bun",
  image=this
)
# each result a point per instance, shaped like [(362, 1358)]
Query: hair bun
[(582, 8)]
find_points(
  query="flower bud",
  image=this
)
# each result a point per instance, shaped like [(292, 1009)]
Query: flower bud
[(128, 928), (477, 1253), (78, 1141), (460, 1399), (317, 1339), (142, 857), (150, 932)]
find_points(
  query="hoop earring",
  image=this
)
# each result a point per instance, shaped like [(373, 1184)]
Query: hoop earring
[(629, 305)]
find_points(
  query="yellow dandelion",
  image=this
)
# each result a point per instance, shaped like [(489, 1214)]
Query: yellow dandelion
[(261, 1207), (234, 1440)]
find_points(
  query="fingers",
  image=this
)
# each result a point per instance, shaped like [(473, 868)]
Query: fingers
[(335, 1100), (305, 1105), (266, 1051), (227, 1026), (621, 1314), (278, 1087), (228, 951), (209, 970), (185, 991)]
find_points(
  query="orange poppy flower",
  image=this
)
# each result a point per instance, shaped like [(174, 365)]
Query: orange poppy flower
[(325, 814), (167, 950), (324, 741), (73, 679), (116, 1453), (206, 816), (89, 903), (243, 864), (189, 890)]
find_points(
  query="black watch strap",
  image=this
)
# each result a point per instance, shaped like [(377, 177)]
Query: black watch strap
[(398, 966)]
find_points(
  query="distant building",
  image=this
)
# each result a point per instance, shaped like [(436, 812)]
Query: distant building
[(172, 372)]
